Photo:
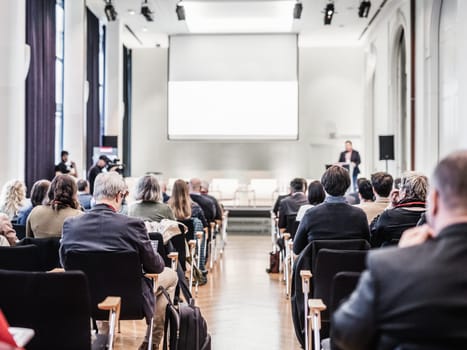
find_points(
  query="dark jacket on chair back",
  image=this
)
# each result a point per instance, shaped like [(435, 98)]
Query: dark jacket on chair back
[(409, 298), (102, 229)]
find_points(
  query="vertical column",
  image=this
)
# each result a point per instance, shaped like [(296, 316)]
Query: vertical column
[(74, 104), (13, 69), (114, 82)]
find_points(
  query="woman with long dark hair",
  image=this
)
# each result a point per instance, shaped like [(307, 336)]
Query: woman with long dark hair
[(47, 220)]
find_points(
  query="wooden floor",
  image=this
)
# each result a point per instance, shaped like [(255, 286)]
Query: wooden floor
[(244, 306)]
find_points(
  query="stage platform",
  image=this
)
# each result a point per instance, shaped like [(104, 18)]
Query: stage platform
[(249, 220), (248, 212)]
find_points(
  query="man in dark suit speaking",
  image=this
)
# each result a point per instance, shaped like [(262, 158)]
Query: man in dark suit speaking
[(414, 296), (351, 156), (104, 229)]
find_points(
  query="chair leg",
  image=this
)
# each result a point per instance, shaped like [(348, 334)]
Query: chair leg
[(306, 275)]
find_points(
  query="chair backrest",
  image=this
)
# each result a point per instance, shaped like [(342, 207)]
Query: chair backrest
[(336, 244), (161, 249), (329, 263), (55, 305), (111, 273), (48, 250), (343, 284), (20, 231), (20, 258), (190, 234)]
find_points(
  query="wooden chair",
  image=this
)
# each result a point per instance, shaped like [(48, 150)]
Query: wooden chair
[(116, 273), (57, 306), (306, 261)]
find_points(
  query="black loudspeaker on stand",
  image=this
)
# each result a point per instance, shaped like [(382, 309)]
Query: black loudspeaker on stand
[(386, 148)]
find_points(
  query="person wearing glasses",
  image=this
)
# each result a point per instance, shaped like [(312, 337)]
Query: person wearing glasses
[(103, 228)]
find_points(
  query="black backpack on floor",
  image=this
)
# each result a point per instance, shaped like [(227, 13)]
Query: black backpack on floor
[(185, 327)]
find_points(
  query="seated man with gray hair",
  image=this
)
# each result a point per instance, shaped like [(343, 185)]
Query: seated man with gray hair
[(103, 228)]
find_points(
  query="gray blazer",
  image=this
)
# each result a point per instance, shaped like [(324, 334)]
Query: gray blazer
[(102, 229), (409, 298)]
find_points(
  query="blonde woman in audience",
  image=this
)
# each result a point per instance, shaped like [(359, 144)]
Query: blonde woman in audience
[(47, 220), (182, 205), (7, 233), (12, 198), (149, 206)]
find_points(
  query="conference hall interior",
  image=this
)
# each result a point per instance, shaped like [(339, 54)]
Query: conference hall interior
[(233, 174)]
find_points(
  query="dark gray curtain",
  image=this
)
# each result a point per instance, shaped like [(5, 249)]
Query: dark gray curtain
[(127, 116), (93, 127), (40, 91)]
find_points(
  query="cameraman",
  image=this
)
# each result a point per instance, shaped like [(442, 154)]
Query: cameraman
[(96, 169), (65, 166)]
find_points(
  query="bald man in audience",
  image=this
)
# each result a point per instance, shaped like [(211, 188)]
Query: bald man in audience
[(204, 202), (414, 296)]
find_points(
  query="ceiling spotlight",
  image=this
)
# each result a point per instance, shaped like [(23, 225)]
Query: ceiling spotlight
[(328, 13), (180, 10), (110, 11), (297, 10), (146, 11), (131, 12), (364, 9)]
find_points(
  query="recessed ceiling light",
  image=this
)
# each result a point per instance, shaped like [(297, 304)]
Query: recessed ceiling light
[(239, 16), (131, 12), (144, 29)]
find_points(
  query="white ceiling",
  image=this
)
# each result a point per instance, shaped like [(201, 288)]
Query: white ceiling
[(345, 30)]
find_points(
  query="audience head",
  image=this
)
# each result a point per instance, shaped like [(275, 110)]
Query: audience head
[(448, 193), (83, 186), (148, 189), (365, 189), (109, 188), (397, 183), (39, 192), (64, 156), (63, 193), (163, 186), (102, 161), (382, 183), (195, 185), (414, 187), (348, 146), (204, 187), (6, 229), (336, 181), (12, 197), (316, 194), (180, 201), (297, 185)]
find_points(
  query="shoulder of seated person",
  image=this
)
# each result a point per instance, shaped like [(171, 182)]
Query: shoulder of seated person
[(386, 258)]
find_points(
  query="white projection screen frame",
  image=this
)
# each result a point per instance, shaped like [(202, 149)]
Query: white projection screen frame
[(233, 87)]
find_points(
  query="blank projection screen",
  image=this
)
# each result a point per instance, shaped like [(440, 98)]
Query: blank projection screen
[(233, 87)]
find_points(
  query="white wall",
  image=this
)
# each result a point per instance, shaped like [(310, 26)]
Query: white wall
[(440, 76), (331, 103)]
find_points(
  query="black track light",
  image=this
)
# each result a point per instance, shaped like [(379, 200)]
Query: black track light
[(110, 11), (364, 9), (180, 10), (328, 13), (146, 11), (297, 10)]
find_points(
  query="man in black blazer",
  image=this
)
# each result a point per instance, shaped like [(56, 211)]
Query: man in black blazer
[(335, 218), (351, 156), (289, 206), (414, 296), (104, 229)]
